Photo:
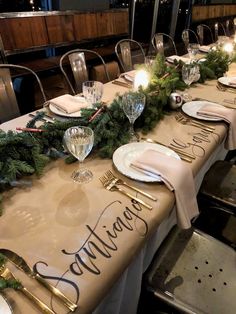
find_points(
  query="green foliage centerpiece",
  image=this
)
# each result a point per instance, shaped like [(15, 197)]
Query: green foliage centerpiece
[(26, 153)]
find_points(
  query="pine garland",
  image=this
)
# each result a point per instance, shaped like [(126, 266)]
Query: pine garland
[(7, 283), (27, 153)]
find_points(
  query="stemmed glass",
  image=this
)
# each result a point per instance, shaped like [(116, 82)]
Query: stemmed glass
[(78, 140), (92, 91), (133, 105), (193, 49), (188, 76)]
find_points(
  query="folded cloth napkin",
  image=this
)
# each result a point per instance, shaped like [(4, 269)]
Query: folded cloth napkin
[(226, 114), (205, 48), (171, 59), (68, 103), (177, 176), (128, 76)]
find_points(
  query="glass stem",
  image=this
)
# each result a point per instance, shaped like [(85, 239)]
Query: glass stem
[(131, 129)]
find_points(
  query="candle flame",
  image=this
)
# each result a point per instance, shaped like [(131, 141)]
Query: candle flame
[(141, 79)]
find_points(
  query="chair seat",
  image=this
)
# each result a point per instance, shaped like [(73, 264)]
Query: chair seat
[(219, 184), (194, 273)]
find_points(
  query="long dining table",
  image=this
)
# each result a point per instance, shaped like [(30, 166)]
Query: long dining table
[(93, 244)]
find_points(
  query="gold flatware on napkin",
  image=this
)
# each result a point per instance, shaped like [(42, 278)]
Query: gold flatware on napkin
[(184, 120), (183, 155), (7, 274), (118, 181), (111, 186), (20, 263)]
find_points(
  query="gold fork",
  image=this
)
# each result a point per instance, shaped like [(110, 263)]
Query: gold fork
[(183, 120), (118, 181), (225, 89), (111, 186), (7, 274)]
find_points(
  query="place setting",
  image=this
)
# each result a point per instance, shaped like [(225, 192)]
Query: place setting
[(70, 106), (13, 282), (212, 112)]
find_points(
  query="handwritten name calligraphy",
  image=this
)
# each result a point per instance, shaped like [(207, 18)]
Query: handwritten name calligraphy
[(197, 138), (102, 241)]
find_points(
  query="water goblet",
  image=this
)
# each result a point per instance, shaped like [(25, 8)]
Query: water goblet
[(149, 60), (78, 140), (188, 76), (92, 91), (193, 49), (133, 105)]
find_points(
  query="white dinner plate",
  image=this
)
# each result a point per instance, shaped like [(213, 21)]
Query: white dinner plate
[(226, 81), (126, 154), (57, 111), (191, 108), (4, 306)]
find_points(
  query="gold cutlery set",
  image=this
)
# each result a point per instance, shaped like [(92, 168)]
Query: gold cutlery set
[(111, 182), (123, 84), (21, 264), (183, 155), (186, 120), (223, 88)]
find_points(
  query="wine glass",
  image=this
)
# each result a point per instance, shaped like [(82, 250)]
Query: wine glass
[(133, 105), (188, 76), (92, 91), (78, 140), (193, 49), (149, 61)]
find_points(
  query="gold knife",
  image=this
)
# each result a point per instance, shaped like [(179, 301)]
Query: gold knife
[(187, 157), (20, 263), (127, 85)]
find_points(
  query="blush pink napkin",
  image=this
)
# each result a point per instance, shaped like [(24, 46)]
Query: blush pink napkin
[(228, 115), (177, 176), (68, 103)]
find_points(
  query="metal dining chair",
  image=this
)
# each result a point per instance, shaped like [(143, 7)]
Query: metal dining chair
[(9, 108), (76, 59), (204, 33), (129, 52), (188, 35), (164, 43), (193, 273), (217, 202), (230, 27)]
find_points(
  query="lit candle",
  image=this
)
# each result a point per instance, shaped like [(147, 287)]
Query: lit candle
[(228, 48), (141, 79)]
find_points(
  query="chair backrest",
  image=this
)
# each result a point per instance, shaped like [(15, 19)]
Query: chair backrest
[(201, 31), (159, 45), (9, 108), (188, 35), (230, 27), (77, 62), (129, 52)]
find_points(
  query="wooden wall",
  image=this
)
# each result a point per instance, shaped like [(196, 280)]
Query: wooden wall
[(205, 12), (34, 32)]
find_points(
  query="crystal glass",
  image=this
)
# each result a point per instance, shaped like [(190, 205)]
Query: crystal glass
[(78, 140), (133, 105), (188, 76), (193, 49), (92, 91), (149, 60)]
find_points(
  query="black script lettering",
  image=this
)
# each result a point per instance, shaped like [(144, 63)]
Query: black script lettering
[(58, 279), (96, 245)]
